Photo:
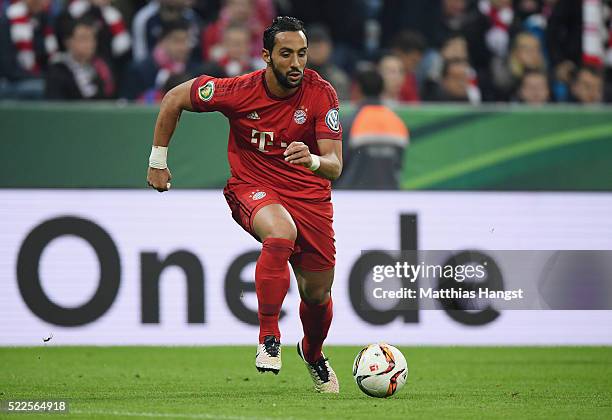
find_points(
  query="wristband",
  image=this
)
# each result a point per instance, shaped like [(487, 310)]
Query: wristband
[(158, 157), (316, 162)]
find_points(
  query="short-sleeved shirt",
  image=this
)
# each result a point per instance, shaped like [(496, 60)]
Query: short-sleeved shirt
[(263, 125)]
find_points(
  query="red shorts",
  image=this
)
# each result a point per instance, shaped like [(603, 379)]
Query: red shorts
[(314, 246)]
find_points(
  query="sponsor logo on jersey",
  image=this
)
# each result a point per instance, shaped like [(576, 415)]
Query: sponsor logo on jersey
[(257, 195), (253, 116), (332, 119), (262, 139), (299, 116), (207, 91)]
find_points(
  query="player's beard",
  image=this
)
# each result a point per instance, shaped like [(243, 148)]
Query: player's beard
[(283, 79)]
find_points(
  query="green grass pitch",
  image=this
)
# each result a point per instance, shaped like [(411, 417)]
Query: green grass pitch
[(222, 383)]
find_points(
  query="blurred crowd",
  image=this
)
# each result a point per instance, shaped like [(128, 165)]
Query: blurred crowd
[(472, 51)]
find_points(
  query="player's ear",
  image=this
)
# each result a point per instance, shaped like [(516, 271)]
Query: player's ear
[(265, 55)]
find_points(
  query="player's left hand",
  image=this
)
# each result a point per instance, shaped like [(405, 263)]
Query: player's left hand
[(298, 154)]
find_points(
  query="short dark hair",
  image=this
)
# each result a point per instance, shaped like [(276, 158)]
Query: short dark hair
[(175, 80), (534, 72), (451, 36), (281, 24), (370, 82), (408, 41), (594, 71), (75, 23), (180, 24), (318, 33)]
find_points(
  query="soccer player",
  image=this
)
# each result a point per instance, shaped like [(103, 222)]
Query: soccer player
[(284, 148)]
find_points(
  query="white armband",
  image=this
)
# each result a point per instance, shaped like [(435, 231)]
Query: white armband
[(316, 162), (159, 155)]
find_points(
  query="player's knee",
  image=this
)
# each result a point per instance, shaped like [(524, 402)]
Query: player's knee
[(315, 296), (281, 230), (274, 222)]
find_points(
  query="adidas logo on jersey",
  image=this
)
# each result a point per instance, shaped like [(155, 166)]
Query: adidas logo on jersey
[(253, 116)]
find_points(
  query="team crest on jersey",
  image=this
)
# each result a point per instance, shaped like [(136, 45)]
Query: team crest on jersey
[(257, 195), (299, 116), (332, 119), (207, 91)]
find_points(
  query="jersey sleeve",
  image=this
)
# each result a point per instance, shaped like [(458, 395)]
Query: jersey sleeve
[(327, 119), (210, 94)]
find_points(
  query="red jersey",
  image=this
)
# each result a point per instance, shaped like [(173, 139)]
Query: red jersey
[(263, 125)]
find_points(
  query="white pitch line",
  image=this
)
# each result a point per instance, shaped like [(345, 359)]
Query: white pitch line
[(171, 415)]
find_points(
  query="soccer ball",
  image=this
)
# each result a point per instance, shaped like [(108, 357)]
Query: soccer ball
[(380, 370)]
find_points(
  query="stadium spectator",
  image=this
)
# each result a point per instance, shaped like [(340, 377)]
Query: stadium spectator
[(456, 17), (129, 8), (392, 71), (320, 49), (533, 88), (456, 84), (524, 9), (409, 47), (578, 34), (415, 16), (236, 52), (475, 31), (587, 86), (149, 21), (112, 37), (27, 43), (78, 73), (452, 19), (500, 17), (52, 8), (349, 24), (207, 10), (251, 14), (453, 48), (526, 55), (564, 45), (170, 56), (527, 52), (531, 16), (156, 94), (374, 140)]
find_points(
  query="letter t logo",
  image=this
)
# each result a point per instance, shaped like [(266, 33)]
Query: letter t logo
[(261, 139)]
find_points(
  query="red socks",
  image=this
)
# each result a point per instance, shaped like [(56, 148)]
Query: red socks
[(271, 283), (316, 320)]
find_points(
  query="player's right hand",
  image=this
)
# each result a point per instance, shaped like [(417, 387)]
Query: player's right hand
[(159, 179)]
